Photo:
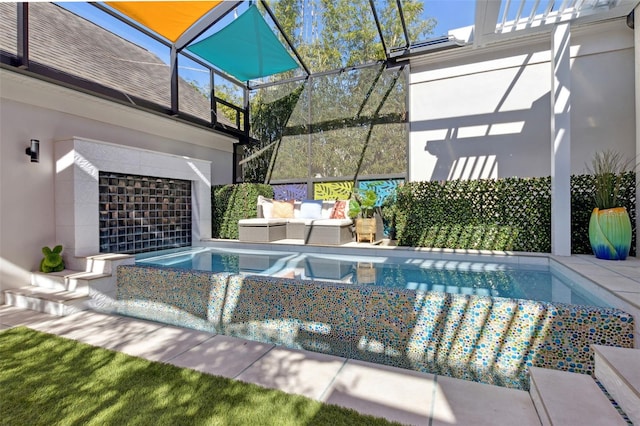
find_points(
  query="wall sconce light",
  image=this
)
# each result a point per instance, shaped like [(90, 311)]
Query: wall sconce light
[(34, 151)]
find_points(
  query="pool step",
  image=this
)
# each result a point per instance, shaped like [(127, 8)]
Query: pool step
[(618, 369), (70, 291), (563, 398)]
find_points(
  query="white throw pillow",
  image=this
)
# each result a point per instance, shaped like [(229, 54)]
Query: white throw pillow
[(311, 209), (267, 206)]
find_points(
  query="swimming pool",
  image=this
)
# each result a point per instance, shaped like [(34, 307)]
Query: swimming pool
[(459, 316), (482, 278)]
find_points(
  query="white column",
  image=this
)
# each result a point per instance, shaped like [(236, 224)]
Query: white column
[(636, 44), (561, 140)]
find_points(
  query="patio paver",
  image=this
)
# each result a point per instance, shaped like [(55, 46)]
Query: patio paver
[(222, 356), (12, 316), (111, 335), (164, 344), (469, 403), (397, 394), (300, 372)]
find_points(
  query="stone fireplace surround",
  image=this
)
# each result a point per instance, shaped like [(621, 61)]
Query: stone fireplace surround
[(78, 163)]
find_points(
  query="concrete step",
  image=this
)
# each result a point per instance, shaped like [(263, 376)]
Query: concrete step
[(563, 398), (90, 282), (66, 280), (50, 301), (618, 370), (108, 262), (104, 263)]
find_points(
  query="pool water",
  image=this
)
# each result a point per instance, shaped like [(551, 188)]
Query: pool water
[(530, 282)]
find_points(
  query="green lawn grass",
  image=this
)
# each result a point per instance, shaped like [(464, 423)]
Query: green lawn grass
[(47, 380)]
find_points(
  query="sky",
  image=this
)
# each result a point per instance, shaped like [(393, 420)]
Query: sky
[(450, 14)]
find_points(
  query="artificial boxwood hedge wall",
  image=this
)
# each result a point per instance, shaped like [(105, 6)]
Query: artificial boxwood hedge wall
[(230, 203), (504, 214)]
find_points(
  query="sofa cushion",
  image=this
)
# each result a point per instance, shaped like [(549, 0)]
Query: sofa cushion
[(261, 222), (283, 209), (332, 222), (300, 221), (311, 209)]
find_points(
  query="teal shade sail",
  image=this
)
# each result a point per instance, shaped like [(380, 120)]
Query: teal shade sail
[(246, 48)]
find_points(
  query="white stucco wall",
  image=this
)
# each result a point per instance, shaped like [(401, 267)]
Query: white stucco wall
[(485, 112), (33, 109)]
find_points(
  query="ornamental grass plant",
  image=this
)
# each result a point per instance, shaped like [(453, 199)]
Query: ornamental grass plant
[(608, 168), (610, 230)]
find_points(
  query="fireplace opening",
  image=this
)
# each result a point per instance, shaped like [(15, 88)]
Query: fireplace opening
[(143, 213)]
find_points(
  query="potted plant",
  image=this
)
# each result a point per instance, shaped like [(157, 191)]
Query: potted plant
[(609, 226), (361, 209)]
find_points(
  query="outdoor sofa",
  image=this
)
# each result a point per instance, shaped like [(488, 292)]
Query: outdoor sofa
[(313, 221)]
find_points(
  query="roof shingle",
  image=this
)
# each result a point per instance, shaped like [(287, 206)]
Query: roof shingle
[(70, 43)]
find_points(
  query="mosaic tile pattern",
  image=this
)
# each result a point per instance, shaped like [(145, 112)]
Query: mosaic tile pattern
[(328, 315), (614, 403), (484, 339), (172, 296)]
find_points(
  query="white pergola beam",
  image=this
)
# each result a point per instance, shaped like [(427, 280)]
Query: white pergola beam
[(486, 19), (488, 29)]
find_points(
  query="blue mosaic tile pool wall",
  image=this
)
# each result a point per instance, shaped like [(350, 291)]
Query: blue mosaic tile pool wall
[(484, 339)]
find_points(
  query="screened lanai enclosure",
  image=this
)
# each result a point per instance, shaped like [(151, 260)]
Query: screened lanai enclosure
[(305, 104), (316, 92)]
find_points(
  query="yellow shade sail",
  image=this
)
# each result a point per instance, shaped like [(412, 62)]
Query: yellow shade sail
[(170, 19)]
